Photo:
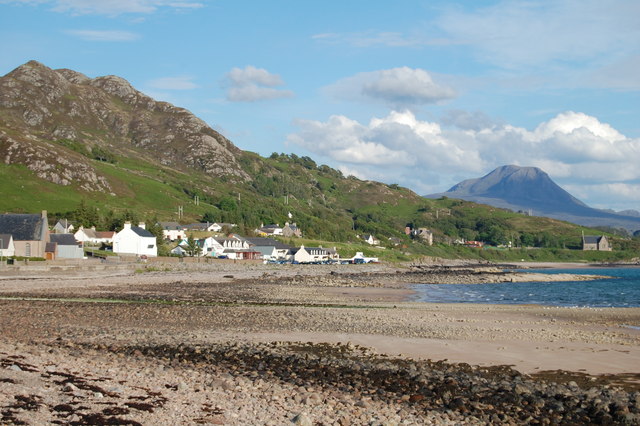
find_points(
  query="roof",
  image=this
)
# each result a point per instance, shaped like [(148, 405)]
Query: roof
[(265, 250), (267, 242), (50, 247), (89, 232), (105, 234), (23, 227), (272, 226), (314, 250), (592, 239), (174, 226), (198, 226), (64, 239), (4, 241), (142, 232), (64, 223)]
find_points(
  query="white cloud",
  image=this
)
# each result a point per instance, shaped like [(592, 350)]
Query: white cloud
[(107, 35), (574, 148), (111, 7), (381, 38), (252, 75), (173, 83), (602, 194), (252, 84), (534, 34), (398, 140), (397, 87)]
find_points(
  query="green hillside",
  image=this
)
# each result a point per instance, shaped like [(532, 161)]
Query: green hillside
[(98, 152), (330, 208)]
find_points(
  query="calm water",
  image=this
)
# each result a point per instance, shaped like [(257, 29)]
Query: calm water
[(623, 290)]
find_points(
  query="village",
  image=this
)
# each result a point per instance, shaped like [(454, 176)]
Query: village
[(28, 236)]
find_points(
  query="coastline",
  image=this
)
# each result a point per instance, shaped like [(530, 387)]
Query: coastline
[(149, 330)]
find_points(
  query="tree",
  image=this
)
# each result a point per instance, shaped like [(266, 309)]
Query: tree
[(86, 216), (228, 204), (193, 249), (154, 227), (209, 217)]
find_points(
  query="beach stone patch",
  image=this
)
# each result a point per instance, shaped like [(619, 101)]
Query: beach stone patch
[(478, 394)]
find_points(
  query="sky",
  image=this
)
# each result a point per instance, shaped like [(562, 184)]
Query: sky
[(422, 93)]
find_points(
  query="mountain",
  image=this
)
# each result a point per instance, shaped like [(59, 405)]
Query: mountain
[(44, 112), (98, 152), (67, 139), (531, 189)]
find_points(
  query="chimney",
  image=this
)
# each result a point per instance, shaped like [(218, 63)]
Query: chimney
[(142, 225), (127, 225)]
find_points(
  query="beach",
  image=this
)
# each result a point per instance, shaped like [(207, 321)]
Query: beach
[(328, 344)]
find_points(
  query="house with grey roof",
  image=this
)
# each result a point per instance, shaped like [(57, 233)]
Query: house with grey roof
[(271, 249), (135, 240), (291, 230), (30, 232), (595, 242), (66, 247), (172, 231), (63, 226), (312, 254)]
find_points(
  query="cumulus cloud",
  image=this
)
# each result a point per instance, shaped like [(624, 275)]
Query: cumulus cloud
[(398, 140), (107, 35), (399, 88), (252, 84), (112, 7), (173, 83), (574, 148)]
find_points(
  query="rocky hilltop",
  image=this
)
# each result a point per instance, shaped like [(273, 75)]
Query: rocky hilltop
[(55, 121)]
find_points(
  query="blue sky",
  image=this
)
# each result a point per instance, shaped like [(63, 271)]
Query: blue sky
[(420, 93)]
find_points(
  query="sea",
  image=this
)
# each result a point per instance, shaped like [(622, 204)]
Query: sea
[(622, 290)]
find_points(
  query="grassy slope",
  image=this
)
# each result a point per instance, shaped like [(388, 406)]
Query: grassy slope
[(326, 206)]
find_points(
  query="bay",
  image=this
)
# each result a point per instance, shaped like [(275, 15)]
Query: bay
[(622, 290)]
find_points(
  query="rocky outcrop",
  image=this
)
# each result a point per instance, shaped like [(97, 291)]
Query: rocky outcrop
[(39, 106), (52, 167)]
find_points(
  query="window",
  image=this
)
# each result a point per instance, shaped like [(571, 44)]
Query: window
[(150, 246), (27, 250)]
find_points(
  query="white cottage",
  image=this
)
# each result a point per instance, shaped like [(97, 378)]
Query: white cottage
[(310, 254), (135, 240), (7, 248)]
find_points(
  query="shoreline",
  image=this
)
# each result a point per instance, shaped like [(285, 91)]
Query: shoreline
[(263, 344)]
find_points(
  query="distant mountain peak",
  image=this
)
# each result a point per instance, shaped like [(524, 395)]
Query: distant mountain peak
[(531, 189)]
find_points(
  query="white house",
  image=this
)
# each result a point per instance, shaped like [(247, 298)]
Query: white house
[(361, 258), (172, 231), (310, 254), (135, 240), (270, 248), (269, 230), (212, 247), (91, 236), (7, 248), (370, 239)]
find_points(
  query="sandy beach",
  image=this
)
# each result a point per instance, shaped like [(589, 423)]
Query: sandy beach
[(249, 345)]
